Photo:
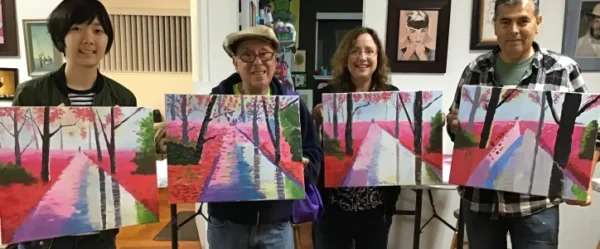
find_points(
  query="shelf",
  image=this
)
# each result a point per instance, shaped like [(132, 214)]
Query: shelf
[(323, 77)]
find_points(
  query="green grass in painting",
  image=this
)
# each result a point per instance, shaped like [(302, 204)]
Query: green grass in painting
[(144, 215), (292, 190)]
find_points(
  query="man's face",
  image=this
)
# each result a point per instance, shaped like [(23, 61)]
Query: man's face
[(255, 62), (417, 36), (85, 44), (595, 28), (516, 27)]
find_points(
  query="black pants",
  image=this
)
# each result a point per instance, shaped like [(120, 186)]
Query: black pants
[(337, 229)]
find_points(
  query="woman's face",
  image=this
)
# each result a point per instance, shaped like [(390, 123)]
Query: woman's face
[(362, 60), (417, 35), (85, 44)]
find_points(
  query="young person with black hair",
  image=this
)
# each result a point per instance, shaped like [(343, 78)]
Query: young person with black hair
[(82, 31)]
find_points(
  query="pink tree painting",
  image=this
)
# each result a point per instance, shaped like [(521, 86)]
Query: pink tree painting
[(382, 147), (539, 142)]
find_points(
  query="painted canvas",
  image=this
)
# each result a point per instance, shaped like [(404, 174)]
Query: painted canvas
[(526, 141), (382, 138), (223, 148), (62, 172)]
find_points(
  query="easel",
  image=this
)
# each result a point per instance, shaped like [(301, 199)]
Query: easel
[(175, 227)]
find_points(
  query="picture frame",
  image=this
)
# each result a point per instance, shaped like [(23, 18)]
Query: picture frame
[(307, 96), (9, 79), (42, 56), (577, 36), (427, 50), (300, 80), (482, 26), (9, 39)]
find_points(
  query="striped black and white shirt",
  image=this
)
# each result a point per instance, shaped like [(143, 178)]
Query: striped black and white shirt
[(549, 71), (81, 98)]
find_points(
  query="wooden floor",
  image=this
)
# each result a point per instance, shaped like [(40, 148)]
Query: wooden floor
[(141, 237)]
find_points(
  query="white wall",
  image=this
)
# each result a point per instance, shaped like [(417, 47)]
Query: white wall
[(26, 9), (578, 226)]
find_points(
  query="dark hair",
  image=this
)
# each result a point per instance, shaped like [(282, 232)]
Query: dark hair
[(342, 79), (497, 3), (71, 12), (417, 19)]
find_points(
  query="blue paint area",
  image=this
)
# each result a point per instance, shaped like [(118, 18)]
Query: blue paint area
[(502, 163), (372, 179), (286, 174), (210, 175), (243, 189), (80, 221)]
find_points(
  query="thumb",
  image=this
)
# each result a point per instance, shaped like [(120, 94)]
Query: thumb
[(61, 105)]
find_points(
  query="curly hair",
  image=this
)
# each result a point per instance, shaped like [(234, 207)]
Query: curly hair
[(342, 79)]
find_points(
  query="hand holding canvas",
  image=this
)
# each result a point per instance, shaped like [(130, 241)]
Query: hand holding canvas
[(585, 203), (317, 115), (160, 140), (452, 119)]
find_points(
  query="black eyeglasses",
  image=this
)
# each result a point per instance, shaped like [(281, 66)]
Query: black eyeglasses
[(263, 56)]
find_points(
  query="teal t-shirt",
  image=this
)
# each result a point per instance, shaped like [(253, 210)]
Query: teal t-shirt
[(510, 74)]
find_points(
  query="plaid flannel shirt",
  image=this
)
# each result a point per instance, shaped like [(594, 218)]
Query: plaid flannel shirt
[(549, 71)]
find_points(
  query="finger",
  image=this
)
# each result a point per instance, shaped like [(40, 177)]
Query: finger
[(61, 105)]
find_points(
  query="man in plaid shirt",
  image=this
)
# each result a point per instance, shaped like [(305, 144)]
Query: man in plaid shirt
[(517, 61)]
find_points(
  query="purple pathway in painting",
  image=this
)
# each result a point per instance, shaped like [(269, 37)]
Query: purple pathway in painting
[(58, 204)]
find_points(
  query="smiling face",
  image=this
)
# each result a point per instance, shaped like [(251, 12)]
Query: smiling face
[(255, 62), (516, 27), (362, 60), (85, 44)]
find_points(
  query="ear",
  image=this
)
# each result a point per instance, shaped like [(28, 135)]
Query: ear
[(234, 62), (539, 21)]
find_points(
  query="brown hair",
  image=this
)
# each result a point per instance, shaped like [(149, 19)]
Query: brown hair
[(342, 79)]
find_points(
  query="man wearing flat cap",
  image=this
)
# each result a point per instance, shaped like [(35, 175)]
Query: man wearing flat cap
[(589, 44), (259, 224)]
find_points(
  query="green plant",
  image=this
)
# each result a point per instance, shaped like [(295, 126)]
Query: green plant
[(464, 139), (332, 147), (145, 156), (436, 133), (11, 173), (588, 141), (178, 154), (290, 121)]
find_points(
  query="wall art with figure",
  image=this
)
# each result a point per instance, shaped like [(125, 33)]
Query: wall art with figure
[(223, 148), (383, 138), (73, 170), (526, 141)]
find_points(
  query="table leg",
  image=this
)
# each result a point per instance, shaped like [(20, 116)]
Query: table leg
[(174, 227), (418, 207), (460, 237)]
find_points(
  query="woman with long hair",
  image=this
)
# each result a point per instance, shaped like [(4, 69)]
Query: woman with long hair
[(362, 214)]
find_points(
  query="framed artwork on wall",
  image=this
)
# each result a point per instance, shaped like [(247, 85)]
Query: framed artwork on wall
[(9, 40), (581, 34), (307, 96), (483, 36), (42, 57), (9, 79), (417, 35)]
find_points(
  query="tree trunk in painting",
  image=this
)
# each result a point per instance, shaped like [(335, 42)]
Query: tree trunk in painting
[(45, 174), (207, 118), (418, 134), (537, 141), (97, 138), (243, 111), (335, 117), (257, 158), (172, 107), (111, 145), (102, 181), (17, 143), (184, 121), (489, 117), (278, 171), (89, 136), (348, 132), (396, 136), (476, 99), (116, 200), (562, 146)]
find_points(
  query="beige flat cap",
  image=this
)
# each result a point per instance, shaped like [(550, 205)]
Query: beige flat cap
[(255, 32)]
